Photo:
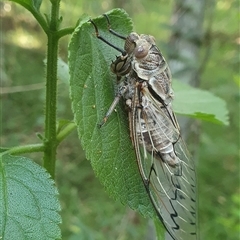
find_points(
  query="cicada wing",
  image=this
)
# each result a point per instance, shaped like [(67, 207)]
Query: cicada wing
[(172, 189)]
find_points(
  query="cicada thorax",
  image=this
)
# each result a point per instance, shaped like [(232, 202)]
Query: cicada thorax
[(152, 67)]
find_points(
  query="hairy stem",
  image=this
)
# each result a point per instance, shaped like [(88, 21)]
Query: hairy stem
[(38, 147), (50, 142)]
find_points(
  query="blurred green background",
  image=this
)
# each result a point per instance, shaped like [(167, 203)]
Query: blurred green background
[(87, 211)]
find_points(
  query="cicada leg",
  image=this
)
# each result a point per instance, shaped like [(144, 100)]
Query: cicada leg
[(123, 52), (111, 30), (120, 93)]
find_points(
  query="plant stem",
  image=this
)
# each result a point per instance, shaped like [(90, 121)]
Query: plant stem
[(66, 131), (50, 142), (65, 31), (25, 149)]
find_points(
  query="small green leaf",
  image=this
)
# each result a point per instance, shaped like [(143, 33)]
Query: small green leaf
[(62, 123), (199, 104), (28, 203), (33, 6), (2, 149), (29, 4), (92, 91)]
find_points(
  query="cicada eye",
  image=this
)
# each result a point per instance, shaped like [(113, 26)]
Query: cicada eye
[(141, 50)]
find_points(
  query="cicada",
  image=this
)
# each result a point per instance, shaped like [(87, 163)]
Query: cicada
[(165, 166)]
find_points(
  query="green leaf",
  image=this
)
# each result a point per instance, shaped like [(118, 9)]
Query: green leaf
[(160, 231), (28, 203), (92, 91), (2, 149), (199, 104), (31, 5), (62, 123)]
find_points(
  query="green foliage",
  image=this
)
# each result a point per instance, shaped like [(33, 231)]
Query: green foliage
[(82, 217), (231, 221), (29, 203), (199, 104), (33, 6)]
